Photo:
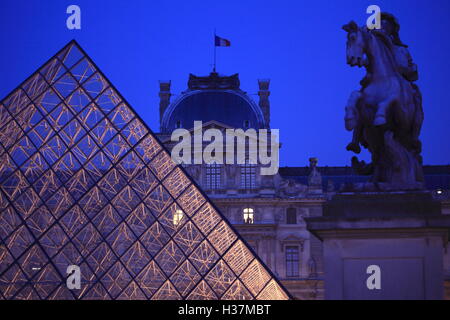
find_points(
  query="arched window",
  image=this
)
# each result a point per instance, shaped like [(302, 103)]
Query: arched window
[(291, 216), (249, 216), (213, 176)]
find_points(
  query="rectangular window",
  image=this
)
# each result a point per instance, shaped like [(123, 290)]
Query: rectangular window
[(248, 176), (292, 262), (291, 216), (213, 176)]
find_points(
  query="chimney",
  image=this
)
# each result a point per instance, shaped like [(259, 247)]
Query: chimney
[(164, 98), (264, 103)]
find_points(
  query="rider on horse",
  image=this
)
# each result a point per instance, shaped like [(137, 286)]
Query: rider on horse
[(405, 66)]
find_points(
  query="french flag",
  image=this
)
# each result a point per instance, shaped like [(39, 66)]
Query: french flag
[(221, 42)]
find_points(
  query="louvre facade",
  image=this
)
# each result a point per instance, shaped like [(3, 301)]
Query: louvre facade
[(269, 212), (83, 181)]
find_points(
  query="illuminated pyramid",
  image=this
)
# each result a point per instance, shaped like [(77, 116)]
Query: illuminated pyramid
[(83, 181)]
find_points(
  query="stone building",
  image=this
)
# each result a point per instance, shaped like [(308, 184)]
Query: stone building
[(268, 211)]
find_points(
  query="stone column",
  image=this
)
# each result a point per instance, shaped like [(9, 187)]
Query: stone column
[(305, 256), (231, 175)]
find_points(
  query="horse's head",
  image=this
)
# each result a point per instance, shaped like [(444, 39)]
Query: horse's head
[(355, 45)]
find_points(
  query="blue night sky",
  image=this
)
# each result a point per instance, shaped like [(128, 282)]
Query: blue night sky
[(298, 44)]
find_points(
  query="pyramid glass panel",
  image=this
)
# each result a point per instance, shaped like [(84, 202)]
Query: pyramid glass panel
[(84, 182)]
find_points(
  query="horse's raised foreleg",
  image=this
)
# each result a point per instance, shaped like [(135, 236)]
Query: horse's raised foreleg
[(356, 140), (351, 111), (352, 121)]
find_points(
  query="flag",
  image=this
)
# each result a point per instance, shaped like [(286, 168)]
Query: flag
[(221, 42)]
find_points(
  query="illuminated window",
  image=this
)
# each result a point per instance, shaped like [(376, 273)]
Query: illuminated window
[(248, 216), (292, 262), (213, 175), (291, 216), (177, 217), (248, 176)]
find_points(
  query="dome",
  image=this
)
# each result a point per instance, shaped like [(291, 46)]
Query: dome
[(230, 107), (213, 98)]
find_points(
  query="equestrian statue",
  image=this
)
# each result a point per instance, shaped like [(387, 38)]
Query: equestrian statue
[(386, 113)]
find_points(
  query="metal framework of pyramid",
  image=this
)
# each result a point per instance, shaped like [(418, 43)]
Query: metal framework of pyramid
[(83, 181)]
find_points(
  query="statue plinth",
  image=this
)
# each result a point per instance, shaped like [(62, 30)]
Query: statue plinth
[(402, 233), (382, 204)]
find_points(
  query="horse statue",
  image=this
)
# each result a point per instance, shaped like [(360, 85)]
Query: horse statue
[(386, 114)]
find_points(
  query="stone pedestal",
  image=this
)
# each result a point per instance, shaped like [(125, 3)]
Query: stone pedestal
[(394, 240)]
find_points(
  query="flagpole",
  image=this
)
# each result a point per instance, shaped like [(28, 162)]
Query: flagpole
[(214, 68)]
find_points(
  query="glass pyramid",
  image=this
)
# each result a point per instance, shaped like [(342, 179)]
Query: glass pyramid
[(83, 181)]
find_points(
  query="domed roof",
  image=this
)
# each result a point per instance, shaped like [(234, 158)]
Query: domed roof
[(213, 98)]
